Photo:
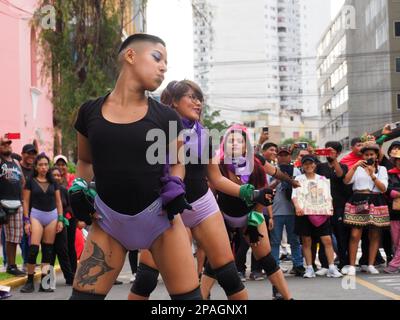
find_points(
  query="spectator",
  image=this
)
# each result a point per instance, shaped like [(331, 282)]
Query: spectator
[(367, 208), (11, 182), (313, 205), (284, 215), (355, 155), (335, 172), (393, 193)]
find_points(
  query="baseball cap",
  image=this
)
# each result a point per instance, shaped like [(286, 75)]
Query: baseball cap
[(308, 158), (284, 150), (60, 157), (29, 148)]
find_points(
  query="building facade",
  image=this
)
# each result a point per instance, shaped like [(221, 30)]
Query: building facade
[(359, 70), (26, 106)]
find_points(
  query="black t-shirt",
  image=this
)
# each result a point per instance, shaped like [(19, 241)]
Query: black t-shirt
[(28, 173), (125, 180), (43, 195), (387, 163), (10, 180), (64, 199), (196, 177), (394, 185), (340, 192)]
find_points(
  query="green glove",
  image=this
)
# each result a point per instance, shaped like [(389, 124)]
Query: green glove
[(64, 220), (381, 139), (246, 194), (80, 184), (255, 218)]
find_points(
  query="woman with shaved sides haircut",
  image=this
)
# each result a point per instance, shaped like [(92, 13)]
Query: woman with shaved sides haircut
[(134, 208)]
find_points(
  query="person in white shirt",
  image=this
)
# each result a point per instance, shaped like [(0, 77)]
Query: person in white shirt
[(367, 208), (313, 205)]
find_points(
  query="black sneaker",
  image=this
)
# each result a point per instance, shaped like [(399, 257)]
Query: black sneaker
[(117, 282), (298, 271), (41, 289), (29, 287), (276, 295), (256, 276), (15, 271)]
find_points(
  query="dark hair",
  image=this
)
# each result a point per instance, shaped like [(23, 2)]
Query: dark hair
[(139, 37), (166, 95), (39, 157), (178, 90), (54, 169), (354, 141), (336, 145), (268, 145)]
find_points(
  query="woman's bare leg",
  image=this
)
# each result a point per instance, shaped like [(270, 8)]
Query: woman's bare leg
[(212, 236), (261, 250), (100, 263)]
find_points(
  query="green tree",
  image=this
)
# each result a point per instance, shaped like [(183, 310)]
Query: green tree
[(291, 141), (79, 57), (209, 120)]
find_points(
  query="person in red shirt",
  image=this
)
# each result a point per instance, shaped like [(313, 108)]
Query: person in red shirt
[(355, 155), (61, 162)]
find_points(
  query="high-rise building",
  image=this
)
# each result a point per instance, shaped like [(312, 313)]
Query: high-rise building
[(359, 70), (249, 57)]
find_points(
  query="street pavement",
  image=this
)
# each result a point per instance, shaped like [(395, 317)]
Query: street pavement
[(364, 287)]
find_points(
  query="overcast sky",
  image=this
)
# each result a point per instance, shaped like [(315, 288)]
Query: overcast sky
[(172, 21)]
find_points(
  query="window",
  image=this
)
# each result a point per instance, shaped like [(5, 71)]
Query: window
[(397, 28), (398, 64), (33, 58), (398, 101)]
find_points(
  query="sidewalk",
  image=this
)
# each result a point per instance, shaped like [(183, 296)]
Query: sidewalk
[(15, 282)]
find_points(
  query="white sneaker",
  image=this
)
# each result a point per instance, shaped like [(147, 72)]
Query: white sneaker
[(132, 278), (322, 272), (364, 268), (334, 273), (345, 270), (372, 270), (309, 273), (351, 271)]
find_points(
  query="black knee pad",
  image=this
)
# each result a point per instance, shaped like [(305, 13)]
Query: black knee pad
[(79, 295), (145, 281), (47, 252), (33, 253), (192, 295), (209, 272), (269, 264), (228, 278)]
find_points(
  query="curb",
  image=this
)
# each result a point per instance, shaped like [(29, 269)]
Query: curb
[(19, 281)]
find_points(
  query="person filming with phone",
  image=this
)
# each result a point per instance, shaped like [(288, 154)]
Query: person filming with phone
[(367, 208)]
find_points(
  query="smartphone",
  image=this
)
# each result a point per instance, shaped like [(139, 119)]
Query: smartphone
[(302, 145), (370, 162), (323, 152), (265, 129), (13, 136)]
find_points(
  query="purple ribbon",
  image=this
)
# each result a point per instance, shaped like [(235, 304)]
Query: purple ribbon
[(240, 167), (172, 188), (195, 136)]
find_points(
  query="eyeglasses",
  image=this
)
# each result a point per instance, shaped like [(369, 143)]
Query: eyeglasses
[(194, 98)]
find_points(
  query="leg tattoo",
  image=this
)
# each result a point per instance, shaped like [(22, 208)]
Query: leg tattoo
[(95, 261)]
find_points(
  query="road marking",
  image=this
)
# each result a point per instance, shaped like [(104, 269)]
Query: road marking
[(388, 280), (393, 284), (377, 289)]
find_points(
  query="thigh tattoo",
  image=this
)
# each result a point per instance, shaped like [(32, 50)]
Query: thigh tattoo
[(95, 261)]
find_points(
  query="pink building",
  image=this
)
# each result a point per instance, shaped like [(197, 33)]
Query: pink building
[(25, 105)]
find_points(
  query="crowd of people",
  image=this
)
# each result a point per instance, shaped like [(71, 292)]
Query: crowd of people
[(266, 198)]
